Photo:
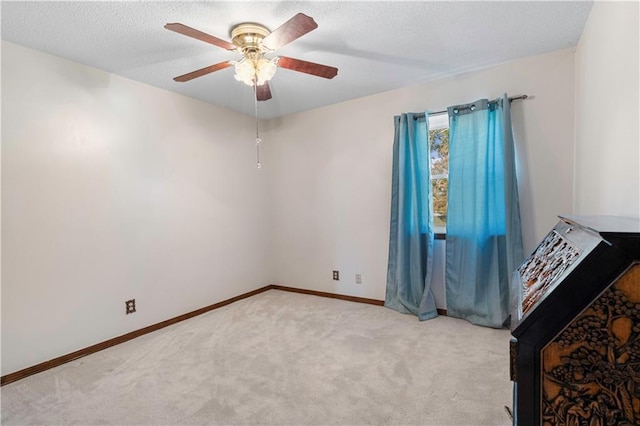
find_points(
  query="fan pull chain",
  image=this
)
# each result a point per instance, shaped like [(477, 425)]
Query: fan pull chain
[(258, 139)]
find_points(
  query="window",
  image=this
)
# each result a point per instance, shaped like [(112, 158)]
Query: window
[(439, 147)]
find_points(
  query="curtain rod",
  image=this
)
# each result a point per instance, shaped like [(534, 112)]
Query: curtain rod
[(511, 99)]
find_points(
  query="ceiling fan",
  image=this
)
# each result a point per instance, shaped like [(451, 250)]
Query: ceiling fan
[(253, 42)]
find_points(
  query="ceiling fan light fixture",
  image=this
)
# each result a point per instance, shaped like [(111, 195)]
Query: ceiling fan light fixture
[(258, 71), (265, 69), (244, 71)]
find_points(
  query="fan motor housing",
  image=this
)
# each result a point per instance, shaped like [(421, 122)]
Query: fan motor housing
[(248, 37)]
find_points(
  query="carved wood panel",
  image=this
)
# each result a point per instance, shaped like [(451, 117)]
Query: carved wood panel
[(591, 370)]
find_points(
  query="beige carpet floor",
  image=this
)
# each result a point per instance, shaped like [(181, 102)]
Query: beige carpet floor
[(281, 358)]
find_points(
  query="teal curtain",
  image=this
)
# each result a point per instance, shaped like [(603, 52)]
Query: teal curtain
[(484, 237), (411, 233)]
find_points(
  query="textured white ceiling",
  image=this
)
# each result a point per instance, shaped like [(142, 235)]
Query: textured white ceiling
[(377, 46)]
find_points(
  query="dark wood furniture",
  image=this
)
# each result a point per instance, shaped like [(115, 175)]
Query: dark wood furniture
[(575, 351)]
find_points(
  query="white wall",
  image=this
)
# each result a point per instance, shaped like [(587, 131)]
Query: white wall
[(607, 176), (331, 170), (113, 190)]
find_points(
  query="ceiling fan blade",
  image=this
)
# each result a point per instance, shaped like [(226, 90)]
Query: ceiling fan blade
[(199, 35), (307, 67), (203, 71), (294, 28), (263, 92)]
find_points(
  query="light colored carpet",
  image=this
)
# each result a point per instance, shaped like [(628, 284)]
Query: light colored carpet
[(281, 358)]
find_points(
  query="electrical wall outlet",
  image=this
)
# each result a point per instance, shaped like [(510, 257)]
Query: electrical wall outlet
[(131, 306), (336, 275), (358, 278)]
